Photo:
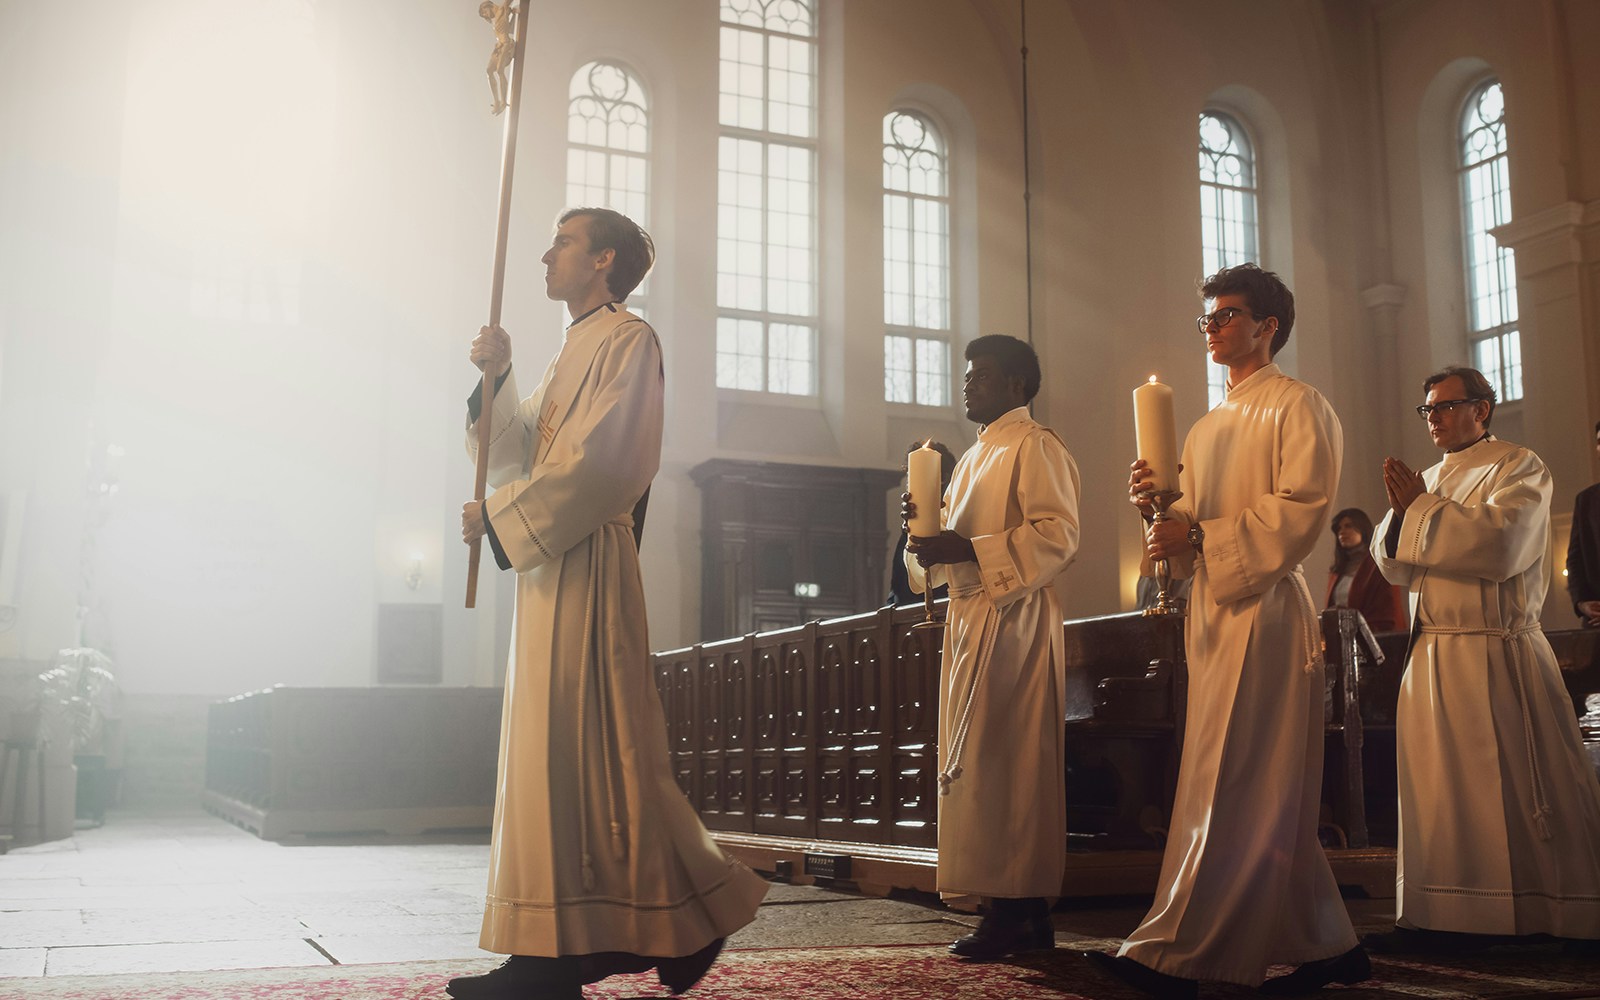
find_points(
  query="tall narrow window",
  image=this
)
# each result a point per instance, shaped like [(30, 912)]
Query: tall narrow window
[(766, 198), (1491, 269), (1228, 228), (608, 144), (916, 262)]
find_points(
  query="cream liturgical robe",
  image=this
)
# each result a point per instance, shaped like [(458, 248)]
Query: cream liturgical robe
[(1002, 695), (1244, 882), (1499, 808), (595, 847)]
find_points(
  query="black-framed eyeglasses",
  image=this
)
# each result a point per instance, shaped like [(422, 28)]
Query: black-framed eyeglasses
[(1222, 317), (1443, 406)]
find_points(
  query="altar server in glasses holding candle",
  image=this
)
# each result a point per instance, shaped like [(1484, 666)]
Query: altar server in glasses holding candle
[(1244, 882), (1010, 527)]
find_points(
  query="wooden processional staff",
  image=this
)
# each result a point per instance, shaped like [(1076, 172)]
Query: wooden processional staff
[(505, 21)]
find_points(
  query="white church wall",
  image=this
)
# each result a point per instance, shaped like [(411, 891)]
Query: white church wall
[(282, 472)]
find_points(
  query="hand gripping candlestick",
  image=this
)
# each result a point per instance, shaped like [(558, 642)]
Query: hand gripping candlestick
[(1165, 604), (925, 483), (1157, 441)]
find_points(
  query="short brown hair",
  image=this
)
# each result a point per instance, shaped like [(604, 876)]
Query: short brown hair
[(1264, 290), (635, 250), (1472, 380)]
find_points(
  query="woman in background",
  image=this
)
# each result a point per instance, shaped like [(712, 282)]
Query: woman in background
[(1354, 580)]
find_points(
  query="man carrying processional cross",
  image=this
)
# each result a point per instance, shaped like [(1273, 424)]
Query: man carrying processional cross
[(598, 864)]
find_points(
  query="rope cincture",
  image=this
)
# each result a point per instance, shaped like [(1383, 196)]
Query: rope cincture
[(1308, 620), (958, 742), (1541, 805)]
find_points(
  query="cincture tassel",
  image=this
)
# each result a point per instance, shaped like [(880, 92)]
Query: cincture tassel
[(958, 742)]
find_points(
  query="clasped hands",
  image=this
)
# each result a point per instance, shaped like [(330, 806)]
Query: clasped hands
[(1164, 539), (1401, 484), (933, 550)]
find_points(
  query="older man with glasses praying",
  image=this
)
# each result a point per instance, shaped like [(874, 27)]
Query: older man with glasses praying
[(1499, 807)]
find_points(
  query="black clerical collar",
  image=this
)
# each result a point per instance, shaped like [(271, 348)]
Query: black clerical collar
[(1486, 436), (612, 305)]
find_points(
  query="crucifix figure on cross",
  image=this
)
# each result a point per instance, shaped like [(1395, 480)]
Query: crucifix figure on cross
[(502, 17)]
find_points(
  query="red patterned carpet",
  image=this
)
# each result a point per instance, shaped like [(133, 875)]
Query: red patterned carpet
[(910, 972)]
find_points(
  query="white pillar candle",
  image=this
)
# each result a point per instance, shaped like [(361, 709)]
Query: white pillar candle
[(1156, 433), (926, 487)]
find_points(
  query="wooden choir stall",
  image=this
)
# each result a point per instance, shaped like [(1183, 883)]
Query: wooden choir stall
[(811, 750)]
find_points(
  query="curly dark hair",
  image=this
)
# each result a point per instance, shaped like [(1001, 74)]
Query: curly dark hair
[(1263, 290), (1016, 359)]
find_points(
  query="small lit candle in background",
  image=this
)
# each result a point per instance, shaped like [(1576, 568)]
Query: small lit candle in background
[(926, 487), (1155, 431)]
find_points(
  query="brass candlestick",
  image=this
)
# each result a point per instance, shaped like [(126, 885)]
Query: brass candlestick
[(1165, 605), (928, 620)]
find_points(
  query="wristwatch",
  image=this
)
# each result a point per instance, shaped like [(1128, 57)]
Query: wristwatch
[(1196, 537)]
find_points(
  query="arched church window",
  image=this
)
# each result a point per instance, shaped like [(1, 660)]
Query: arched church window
[(767, 198), (608, 147), (916, 262), (1229, 230), (1493, 336)]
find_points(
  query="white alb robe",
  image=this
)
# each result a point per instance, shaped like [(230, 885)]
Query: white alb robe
[(1002, 682), (1244, 882), (1499, 807), (594, 848)]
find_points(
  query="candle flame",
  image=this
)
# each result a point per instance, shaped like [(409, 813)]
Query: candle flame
[(1152, 380)]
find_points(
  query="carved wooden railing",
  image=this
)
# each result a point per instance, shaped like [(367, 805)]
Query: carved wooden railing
[(824, 731)]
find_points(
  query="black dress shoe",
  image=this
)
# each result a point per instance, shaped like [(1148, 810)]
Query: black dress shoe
[(680, 974), (1350, 968), (521, 977), (997, 938), (1580, 948), (597, 966), (1421, 941), (1143, 978)]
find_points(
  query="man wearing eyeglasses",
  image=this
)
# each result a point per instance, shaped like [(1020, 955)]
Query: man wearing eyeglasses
[(1499, 807), (1245, 883)]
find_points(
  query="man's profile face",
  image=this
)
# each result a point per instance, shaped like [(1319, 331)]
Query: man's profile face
[(1597, 443), (569, 268), (987, 392), (1455, 426), (1241, 338)]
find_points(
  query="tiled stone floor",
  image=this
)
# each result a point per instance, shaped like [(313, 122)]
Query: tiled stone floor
[(186, 892), (175, 893)]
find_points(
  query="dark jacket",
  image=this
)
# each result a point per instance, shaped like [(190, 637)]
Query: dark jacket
[(1380, 602), (1583, 550)]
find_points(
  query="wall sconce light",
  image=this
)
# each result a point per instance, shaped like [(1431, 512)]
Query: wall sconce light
[(413, 575)]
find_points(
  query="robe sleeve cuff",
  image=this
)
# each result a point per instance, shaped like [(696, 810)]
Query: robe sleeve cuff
[(1001, 579), (1414, 527), (500, 558), (475, 401), (512, 513), (1230, 578)]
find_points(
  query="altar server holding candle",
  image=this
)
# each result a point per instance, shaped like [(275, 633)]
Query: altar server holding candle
[(1155, 429), (1244, 882), (1010, 529)]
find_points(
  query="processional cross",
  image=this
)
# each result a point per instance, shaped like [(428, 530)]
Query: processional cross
[(505, 20)]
